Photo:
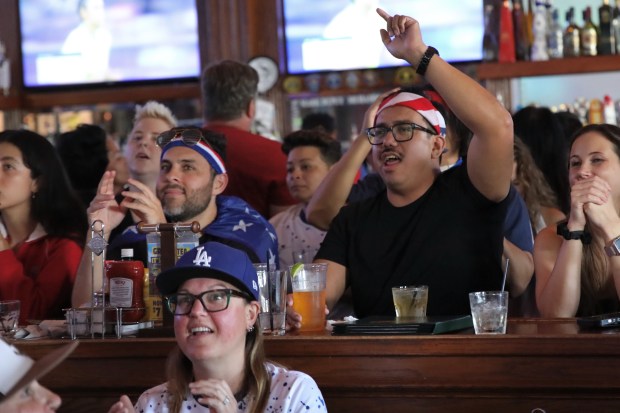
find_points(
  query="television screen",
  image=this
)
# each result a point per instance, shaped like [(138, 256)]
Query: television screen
[(74, 42), (344, 34)]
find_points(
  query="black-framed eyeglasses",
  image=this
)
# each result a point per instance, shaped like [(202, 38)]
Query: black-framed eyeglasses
[(401, 131), (188, 136), (212, 300)]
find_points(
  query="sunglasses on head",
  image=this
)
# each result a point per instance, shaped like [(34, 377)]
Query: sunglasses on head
[(187, 136)]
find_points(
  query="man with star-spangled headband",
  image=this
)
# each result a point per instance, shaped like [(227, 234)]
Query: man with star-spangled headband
[(192, 178)]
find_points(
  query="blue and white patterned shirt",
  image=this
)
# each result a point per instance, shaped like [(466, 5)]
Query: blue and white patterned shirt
[(291, 392)]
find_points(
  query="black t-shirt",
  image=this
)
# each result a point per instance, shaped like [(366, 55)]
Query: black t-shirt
[(449, 239)]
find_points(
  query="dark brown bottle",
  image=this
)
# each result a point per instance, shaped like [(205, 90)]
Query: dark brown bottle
[(606, 41), (519, 22)]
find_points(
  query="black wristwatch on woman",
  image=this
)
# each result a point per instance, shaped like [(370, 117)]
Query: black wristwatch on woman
[(563, 231)]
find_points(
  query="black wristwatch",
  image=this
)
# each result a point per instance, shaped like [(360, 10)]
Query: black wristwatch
[(426, 59), (563, 231)]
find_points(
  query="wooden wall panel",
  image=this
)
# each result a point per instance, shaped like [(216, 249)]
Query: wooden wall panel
[(9, 35)]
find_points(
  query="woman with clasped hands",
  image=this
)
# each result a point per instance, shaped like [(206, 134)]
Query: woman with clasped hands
[(219, 364), (577, 262)]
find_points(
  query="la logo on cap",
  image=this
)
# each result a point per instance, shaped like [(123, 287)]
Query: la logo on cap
[(202, 258)]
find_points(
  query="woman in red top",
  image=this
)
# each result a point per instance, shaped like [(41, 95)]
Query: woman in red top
[(42, 225)]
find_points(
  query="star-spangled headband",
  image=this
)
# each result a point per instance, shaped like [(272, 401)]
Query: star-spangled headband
[(418, 103), (202, 148)]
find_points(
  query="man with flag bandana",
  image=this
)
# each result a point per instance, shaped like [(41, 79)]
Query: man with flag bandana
[(443, 230)]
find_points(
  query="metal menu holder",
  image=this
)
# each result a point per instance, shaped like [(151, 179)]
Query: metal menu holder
[(101, 318), (169, 234)]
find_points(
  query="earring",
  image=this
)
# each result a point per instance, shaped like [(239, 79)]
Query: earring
[(34, 195), (250, 329)]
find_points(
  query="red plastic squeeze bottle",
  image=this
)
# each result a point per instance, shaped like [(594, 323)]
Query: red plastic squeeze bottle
[(125, 281)]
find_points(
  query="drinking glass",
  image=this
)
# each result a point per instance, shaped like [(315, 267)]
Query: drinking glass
[(410, 301), (309, 294), (272, 287), (9, 317), (489, 310)]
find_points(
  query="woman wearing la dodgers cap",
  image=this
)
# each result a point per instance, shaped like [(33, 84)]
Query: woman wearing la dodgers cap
[(219, 364)]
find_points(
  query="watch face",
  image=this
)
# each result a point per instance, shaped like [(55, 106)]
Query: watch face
[(614, 248), (267, 70)]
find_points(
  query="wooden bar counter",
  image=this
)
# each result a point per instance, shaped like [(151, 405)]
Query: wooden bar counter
[(538, 366)]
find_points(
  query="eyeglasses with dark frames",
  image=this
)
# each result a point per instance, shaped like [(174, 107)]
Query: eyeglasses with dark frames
[(188, 136), (211, 300), (402, 132)]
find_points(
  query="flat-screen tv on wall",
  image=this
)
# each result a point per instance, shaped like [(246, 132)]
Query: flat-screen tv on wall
[(325, 35), (88, 42)]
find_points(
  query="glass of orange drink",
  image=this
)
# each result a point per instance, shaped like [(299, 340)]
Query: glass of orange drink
[(308, 281)]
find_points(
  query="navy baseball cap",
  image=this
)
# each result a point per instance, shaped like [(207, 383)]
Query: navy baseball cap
[(211, 260)]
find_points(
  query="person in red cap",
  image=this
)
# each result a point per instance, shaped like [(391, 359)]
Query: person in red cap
[(443, 230)]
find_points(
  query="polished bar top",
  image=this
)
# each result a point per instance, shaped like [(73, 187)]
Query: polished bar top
[(545, 364), (523, 336)]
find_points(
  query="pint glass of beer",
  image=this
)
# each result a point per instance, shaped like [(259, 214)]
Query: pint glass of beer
[(308, 282)]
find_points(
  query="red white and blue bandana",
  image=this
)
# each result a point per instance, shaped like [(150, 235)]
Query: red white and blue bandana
[(418, 103)]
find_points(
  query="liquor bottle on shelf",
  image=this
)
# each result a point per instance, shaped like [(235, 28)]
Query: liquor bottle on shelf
[(519, 22), (589, 34), (548, 14), (606, 41), (490, 39), (615, 24), (555, 37), (539, 29), (529, 21), (572, 37), (581, 109), (609, 110), (506, 34), (595, 112)]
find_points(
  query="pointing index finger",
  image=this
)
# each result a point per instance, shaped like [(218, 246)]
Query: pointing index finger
[(383, 14)]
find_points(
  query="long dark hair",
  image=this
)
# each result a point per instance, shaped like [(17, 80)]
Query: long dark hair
[(531, 182), (542, 132), (55, 206), (595, 280)]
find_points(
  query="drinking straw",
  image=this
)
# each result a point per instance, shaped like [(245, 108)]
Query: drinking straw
[(505, 274), (268, 282)]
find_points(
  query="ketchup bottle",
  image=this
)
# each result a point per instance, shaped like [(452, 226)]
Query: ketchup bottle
[(125, 281)]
